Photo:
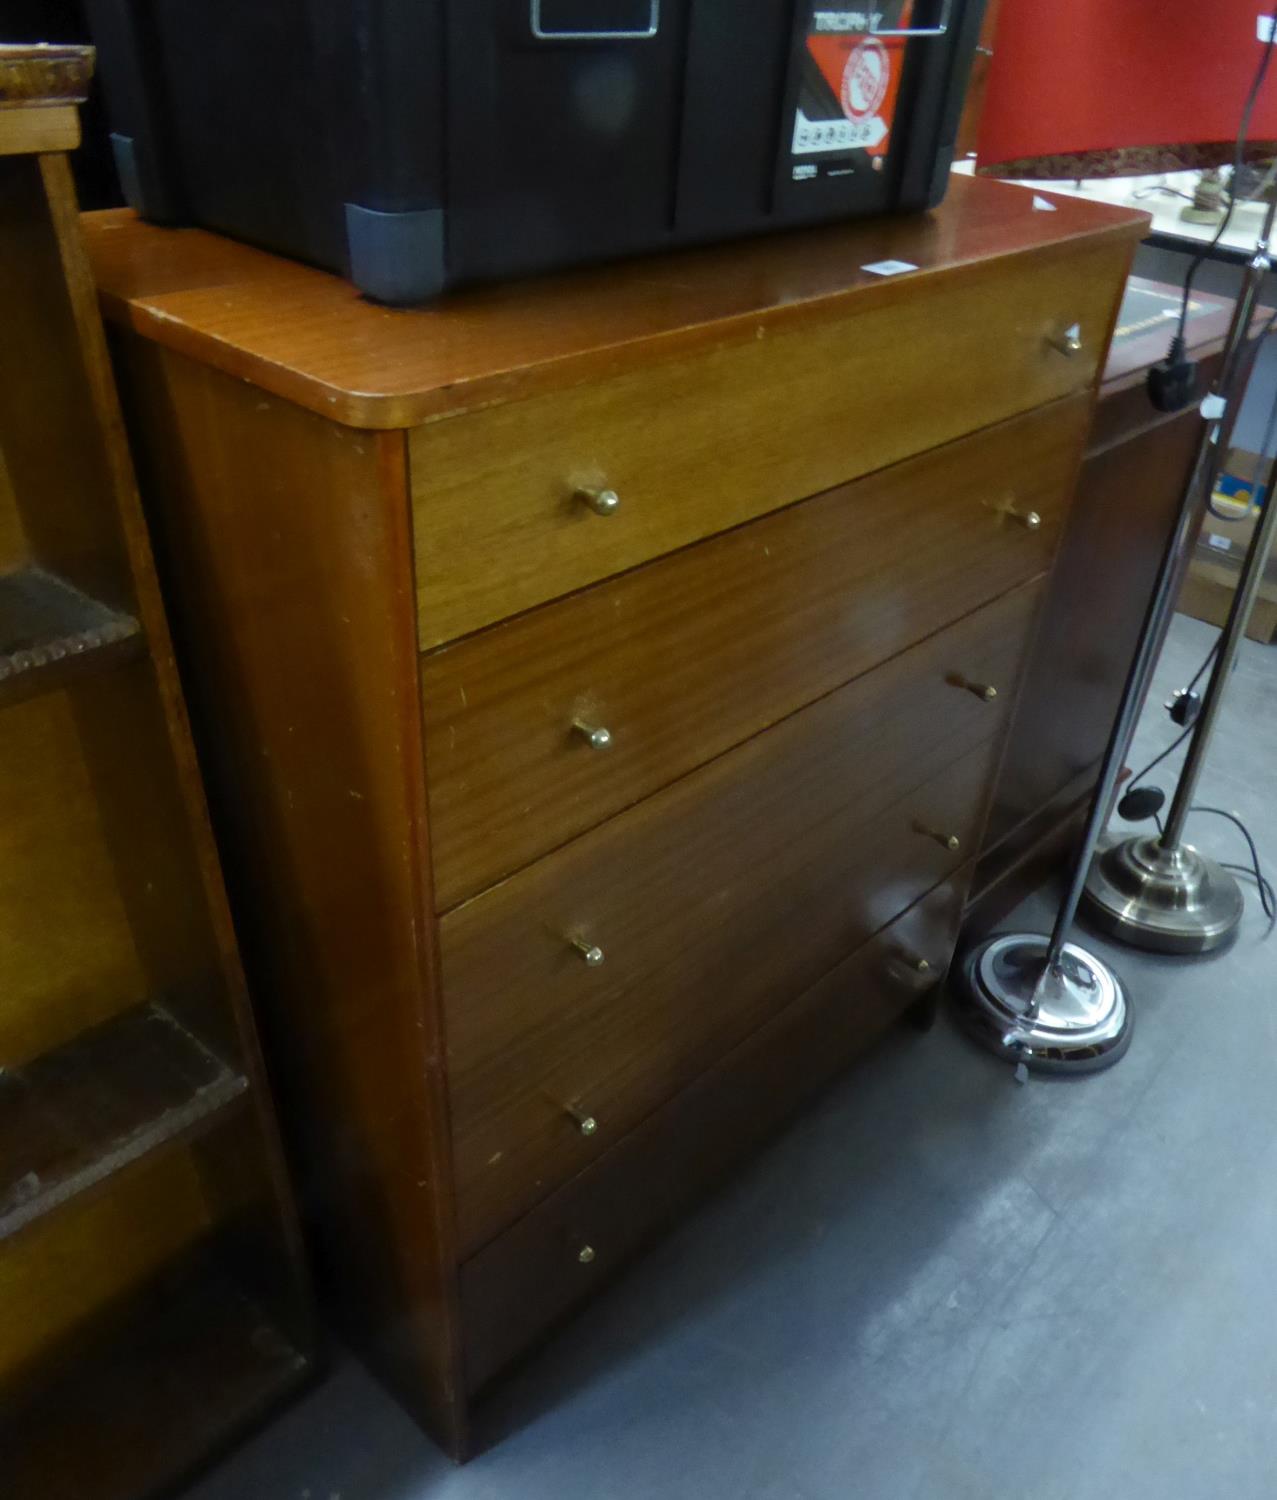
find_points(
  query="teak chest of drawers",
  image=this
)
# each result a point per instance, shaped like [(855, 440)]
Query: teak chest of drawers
[(601, 682)]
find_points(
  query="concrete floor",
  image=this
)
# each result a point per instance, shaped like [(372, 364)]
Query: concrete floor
[(937, 1285)]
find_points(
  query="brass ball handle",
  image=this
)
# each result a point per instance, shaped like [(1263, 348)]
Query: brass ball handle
[(585, 1122), (594, 735), (985, 691), (949, 841), (1010, 510), (1067, 343), (592, 955), (917, 972), (601, 502)]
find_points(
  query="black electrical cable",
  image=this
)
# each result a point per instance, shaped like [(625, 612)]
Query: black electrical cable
[(1153, 764), (1249, 873), (1254, 870), (1239, 153), (1266, 895), (1210, 657), (1179, 739)]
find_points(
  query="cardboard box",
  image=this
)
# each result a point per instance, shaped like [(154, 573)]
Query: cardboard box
[(1216, 568), (1225, 544), (1246, 477), (1208, 594)]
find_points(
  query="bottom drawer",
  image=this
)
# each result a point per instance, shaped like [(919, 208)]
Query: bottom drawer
[(514, 1289)]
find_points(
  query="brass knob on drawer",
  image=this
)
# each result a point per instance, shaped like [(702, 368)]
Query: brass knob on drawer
[(601, 502), (949, 841), (594, 735), (911, 969), (985, 691), (586, 1255), (585, 1123), (1068, 343), (591, 954), (1011, 511)]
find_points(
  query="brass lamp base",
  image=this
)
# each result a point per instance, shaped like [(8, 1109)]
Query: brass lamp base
[(1165, 900)]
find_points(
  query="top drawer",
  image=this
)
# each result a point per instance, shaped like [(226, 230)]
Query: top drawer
[(694, 447)]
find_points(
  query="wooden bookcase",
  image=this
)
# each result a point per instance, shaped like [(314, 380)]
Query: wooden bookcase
[(153, 1298)]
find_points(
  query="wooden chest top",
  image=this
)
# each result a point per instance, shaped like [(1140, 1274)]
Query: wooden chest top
[(308, 336)]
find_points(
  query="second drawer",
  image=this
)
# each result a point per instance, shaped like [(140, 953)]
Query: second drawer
[(691, 655), (704, 909)]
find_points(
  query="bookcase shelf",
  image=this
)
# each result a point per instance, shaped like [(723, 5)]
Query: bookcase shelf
[(116, 1094), (154, 1297), (51, 632)]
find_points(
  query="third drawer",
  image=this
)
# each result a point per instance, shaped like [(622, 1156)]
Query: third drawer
[(583, 992), (681, 660)]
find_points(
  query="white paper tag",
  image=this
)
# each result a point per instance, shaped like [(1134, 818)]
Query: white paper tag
[(1221, 543), (1264, 28), (1043, 205), (889, 267), (1213, 407)]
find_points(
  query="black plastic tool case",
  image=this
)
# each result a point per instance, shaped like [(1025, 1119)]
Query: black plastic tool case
[(415, 145)]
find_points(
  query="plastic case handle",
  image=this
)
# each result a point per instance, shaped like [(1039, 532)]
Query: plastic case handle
[(941, 27), (545, 30)]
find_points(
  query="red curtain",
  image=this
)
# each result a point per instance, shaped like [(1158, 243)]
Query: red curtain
[(1074, 76)]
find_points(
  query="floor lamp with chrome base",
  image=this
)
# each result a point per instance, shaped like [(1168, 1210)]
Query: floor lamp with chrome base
[(1048, 1003), (1043, 1001)]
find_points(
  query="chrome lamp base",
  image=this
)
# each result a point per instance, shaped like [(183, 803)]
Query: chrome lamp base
[(1166, 900), (1071, 1019)]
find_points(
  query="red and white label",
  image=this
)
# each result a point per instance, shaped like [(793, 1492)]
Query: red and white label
[(858, 74), (865, 78)]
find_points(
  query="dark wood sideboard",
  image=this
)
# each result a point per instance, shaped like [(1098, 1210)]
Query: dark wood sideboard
[(602, 681)]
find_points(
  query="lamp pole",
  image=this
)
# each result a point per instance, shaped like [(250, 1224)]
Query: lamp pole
[(1156, 891), (1046, 1002)]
